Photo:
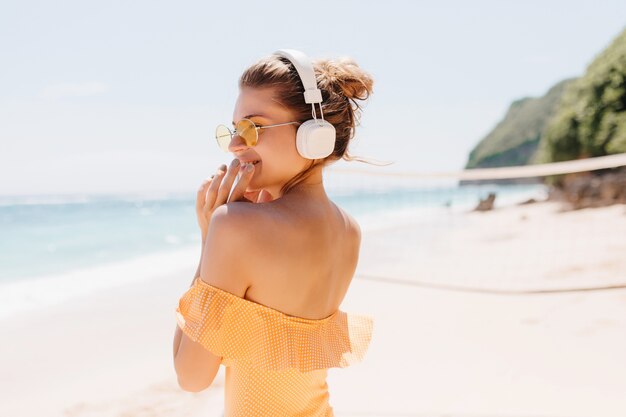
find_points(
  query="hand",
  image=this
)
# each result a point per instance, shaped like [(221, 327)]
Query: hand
[(215, 191)]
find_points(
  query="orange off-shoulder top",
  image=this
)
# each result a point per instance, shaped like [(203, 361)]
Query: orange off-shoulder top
[(276, 364)]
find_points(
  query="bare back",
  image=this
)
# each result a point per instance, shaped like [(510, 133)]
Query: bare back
[(306, 255)]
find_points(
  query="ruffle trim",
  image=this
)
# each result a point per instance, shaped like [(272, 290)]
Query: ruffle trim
[(242, 330)]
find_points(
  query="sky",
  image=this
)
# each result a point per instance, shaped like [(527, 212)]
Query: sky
[(124, 96)]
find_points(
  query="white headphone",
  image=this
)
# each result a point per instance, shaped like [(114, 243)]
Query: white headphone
[(315, 137)]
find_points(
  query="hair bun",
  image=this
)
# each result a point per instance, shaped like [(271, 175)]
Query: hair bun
[(344, 76)]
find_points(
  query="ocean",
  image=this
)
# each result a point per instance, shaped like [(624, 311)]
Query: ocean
[(55, 247)]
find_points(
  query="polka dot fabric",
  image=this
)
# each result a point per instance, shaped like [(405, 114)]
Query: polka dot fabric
[(276, 364)]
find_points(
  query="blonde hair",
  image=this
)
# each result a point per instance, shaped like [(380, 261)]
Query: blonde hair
[(342, 82)]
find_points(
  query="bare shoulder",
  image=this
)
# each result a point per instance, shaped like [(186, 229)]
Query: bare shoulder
[(234, 214), (355, 227), (242, 222), (228, 242), (352, 226)]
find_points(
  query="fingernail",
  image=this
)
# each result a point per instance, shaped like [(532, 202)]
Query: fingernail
[(235, 163), (249, 167)]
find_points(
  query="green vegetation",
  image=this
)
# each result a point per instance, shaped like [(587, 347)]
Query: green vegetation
[(577, 118), (591, 118), (515, 139)]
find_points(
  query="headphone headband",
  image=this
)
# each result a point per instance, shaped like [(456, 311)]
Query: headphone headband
[(303, 65), (315, 138)]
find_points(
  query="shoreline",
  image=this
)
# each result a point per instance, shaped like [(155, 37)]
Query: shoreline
[(436, 351), (41, 292), (38, 292)]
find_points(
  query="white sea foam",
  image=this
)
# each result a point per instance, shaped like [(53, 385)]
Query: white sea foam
[(27, 294), (33, 293), (44, 291)]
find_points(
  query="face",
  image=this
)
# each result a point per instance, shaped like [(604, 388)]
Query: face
[(276, 147)]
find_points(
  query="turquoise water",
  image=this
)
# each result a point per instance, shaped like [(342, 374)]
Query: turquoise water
[(43, 235)]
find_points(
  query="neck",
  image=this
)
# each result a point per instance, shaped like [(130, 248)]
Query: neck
[(311, 185)]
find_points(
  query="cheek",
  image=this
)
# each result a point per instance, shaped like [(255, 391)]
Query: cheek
[(276, 169), (280, 162)]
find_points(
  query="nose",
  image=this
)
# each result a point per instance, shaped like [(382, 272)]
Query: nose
[(237, 144)]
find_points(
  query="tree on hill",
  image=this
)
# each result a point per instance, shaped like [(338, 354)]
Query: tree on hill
[(591, 117)]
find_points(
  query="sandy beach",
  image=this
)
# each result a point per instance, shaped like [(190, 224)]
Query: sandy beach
[(501, 315)]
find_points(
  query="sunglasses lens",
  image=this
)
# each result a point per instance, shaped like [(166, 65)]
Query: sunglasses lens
[(247, 130), (223, 136)]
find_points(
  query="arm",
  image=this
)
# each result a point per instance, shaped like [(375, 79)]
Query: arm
[(179, 333), (195, 366), (220, 266), (210, 200), (197, 274)]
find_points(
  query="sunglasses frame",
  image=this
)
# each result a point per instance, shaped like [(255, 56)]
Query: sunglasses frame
[(256, 130)]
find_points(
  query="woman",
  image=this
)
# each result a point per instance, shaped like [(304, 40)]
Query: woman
[(278, 255)]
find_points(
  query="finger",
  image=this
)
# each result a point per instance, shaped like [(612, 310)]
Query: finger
[(201, 193), (211, 193), (227, 182), (246, 173)]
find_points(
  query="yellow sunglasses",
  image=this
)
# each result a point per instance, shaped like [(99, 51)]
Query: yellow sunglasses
[(245, 128)]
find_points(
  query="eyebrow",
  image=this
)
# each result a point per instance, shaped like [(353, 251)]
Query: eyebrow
[(252, 115)]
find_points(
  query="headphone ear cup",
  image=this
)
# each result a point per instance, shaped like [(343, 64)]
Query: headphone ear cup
[(315, 139)]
